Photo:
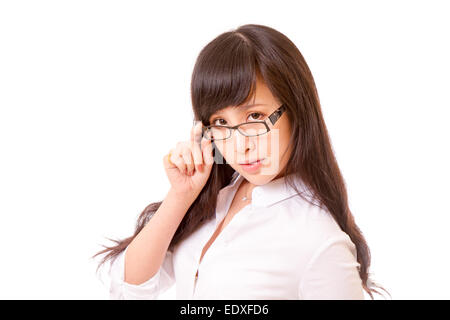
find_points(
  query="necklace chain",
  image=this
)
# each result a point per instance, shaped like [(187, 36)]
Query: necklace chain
[(246, 198)]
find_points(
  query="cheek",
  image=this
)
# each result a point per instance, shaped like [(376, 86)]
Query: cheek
[(274, 144), (285, 146), (277, 145)]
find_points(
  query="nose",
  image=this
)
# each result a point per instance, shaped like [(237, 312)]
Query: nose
[(243, 143)]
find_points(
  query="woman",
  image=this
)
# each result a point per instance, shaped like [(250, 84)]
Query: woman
[(255, 211)]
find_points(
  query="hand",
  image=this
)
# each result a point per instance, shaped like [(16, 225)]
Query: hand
[(189, 164)]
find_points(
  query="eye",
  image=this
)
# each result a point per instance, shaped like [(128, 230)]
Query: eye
[(218, 124), (258, 115), (222, 122)]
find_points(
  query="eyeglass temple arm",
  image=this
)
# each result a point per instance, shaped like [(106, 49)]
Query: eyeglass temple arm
[(277, 114)]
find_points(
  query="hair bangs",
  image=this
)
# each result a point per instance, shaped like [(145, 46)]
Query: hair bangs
[(224, 75)]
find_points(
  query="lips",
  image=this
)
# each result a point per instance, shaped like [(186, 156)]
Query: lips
[(250, 162)]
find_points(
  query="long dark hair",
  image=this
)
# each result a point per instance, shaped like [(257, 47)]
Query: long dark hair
[(225, 74)]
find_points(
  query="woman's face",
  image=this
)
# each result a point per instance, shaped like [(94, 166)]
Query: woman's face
[(272, 148)]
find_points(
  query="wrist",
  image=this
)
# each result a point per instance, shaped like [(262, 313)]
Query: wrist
[(182, 198)]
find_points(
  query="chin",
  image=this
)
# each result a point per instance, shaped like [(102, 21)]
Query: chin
[(258, 178)]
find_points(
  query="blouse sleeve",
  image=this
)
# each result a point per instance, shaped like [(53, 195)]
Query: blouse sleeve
[(332, 272), (163, 279)]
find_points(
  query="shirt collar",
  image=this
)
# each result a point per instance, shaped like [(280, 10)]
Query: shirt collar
[(270, 193)]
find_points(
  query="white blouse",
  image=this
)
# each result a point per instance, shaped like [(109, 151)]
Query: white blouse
[(277, 247)]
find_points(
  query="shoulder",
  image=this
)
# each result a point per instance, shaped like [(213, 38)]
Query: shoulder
[(316, 223), (311, 228)]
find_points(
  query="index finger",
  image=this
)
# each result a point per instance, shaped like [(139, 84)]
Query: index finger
[(196, 132)]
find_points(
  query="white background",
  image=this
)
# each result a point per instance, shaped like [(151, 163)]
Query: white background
[(94, 93)]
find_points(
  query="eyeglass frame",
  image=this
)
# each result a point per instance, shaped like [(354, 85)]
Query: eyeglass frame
[(273, 117)]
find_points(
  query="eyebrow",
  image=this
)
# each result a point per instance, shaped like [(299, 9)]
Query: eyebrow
[(240, 107), (250, 105)]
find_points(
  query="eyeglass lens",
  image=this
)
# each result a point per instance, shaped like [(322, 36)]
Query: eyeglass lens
[(247, 129)]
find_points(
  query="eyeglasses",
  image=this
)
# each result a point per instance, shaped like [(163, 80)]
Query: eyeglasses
[(248, 129)]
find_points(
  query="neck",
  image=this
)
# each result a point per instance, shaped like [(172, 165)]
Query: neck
[(247, 189)]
